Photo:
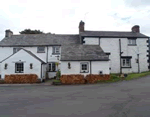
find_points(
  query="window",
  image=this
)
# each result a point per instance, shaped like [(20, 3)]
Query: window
[(84, 67), (126, 62), (15, 50), (56, 50), (132, 41), (52, 67), (41, 49), (19, 67)]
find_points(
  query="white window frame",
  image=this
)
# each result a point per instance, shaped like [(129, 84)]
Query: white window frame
[(50, 67), (124, 62), (56, 50), (84, 70), (39, 51), (132, 41), (16, 69)]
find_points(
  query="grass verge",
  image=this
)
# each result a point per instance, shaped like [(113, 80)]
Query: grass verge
[(131, 76)]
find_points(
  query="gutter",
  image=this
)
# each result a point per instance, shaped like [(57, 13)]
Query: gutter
[(120, 55)]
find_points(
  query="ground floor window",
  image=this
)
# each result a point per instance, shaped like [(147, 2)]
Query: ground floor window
[(19, 67), (52, 67), (126, 62), (84, 67)]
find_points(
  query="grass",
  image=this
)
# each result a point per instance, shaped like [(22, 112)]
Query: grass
[(56, 80), (137, 75), (131, 76)]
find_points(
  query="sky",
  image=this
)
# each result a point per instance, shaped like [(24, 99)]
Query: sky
[(63, 16)]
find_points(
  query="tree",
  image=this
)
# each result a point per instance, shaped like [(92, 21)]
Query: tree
[(29, 31)]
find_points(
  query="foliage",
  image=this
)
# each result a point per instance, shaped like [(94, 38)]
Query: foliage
[(29, 31), (2, 81), (56, 63), (137, 75), (56, 80), (58, 74)]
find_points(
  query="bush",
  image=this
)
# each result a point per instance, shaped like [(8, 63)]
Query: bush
[(23, 78), (2, 82), (114, 77), (94, 78), (58, 74), (72, 79)]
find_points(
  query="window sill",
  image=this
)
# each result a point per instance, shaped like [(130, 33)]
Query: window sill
[(132, 44), (55, 53), (84, 72), (19, 72), (126, 67), (40, 52)]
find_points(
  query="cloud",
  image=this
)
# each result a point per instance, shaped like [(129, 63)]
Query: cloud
[(137, 3), (63, 17)]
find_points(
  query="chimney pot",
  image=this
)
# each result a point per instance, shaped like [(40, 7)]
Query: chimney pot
[(8, 33), (136, 29), (81, 26)]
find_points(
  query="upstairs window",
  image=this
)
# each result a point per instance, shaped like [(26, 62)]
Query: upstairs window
[(41, 49), (131, 41), (15, 50), (56, 50), (84, 68), (19, 67)]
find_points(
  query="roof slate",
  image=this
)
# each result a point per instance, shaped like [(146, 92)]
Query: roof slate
[(83, 52), (39, 39), (113, 34)]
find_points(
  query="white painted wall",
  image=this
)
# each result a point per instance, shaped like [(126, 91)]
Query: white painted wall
[(7, 51), (112, 45), (23, 56), (98, 66), (91, 41), (75, 67)]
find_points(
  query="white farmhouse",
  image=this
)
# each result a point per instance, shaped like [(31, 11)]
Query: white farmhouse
[(89, 52)]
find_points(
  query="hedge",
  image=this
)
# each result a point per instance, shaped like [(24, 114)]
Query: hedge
[(23, 78)]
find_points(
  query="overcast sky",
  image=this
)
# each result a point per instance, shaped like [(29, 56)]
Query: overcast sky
[(63, 16)]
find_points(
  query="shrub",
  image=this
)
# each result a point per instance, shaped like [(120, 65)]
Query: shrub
[(23, 78), (2, 82), (94, 78), (72, 79), (58, 74)]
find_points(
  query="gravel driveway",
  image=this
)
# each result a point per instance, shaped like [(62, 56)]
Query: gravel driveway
[(122, 99)]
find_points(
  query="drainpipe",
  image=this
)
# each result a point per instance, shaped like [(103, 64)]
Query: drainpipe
[(47, 55), (90, 68), (138, 63), (120, 55), (41, 71)]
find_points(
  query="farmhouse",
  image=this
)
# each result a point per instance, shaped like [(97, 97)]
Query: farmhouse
[(89, 52)]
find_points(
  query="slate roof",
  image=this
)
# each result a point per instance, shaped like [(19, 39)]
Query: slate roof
[(39, 39), (28, 53), (113, 34), (83, 52)]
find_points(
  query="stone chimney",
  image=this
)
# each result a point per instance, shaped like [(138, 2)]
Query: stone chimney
[(81, 26), (136, 29), (8, 33)]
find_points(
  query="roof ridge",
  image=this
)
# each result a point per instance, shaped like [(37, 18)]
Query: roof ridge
[(104, 31), (47, 34)]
